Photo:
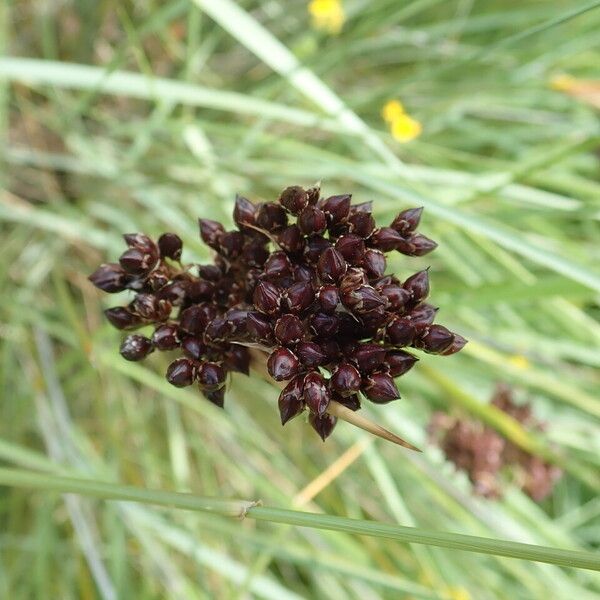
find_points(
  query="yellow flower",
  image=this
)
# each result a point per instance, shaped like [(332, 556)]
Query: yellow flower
[(405, 128), (327, 15), (392, 110), (519, 361)]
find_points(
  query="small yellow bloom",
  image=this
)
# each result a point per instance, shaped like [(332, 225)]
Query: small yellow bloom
[(405, 128), (327, 15), (519, 361), (392, 110)]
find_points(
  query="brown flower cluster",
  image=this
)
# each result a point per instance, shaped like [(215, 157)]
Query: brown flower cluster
[(301, 280), (484, 454)]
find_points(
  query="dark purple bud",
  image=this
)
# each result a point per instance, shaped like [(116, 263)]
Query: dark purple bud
[(353, 280), (313, 194), (345, 380), (362, 207), (304, 273), (386, 280), (109, 277), (316, 395), (324, 326), (312, 220), (380, 388), (291, 240), (408, 220), (418, 286), (122, 318), (329, 298), (363, 300), (351, 247), (423, 314), (237, 319), (457, 345), (193, 347), (135, 347), (315, 246), (337, 208), (165, 337), (217, 331), (199, 290), (244, 212), (331, 266), (291, 401), (140, 241), (331, 349), (323, 425), (374, 263), (255, 253), (251, 280), (397, 297), (211, 376), (170, 246), (374, 320), (294, 199), (259, 327), (237, 359), (271, 216), (385, 239), (368, 357), (352, 401), (157, 280), (399, 362), (361, 224), (434, 339), (136, 262), (193, 320), (267, 297), (145, 306), (210, 232), (210, 272), (282, 364), (230, 244), (310, 354), (181, 372), (289, 330), (416, 245), (217, 397), (299, 296), (400, 332), (278, 265)]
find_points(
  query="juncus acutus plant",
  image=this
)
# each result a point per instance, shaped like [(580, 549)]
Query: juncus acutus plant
[(302, 282)]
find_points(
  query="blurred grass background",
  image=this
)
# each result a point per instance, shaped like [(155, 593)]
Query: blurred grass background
[(127, 116)]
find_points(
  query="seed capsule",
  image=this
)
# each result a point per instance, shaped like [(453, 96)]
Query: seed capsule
[(267, 297), (362, 207), (289, 330), (237, 359), (145, 306), (165, 337), (210, 232), (310, 354), (199, 290), (407, 221), (323, 425), (324, 326), (380, 388), (337, 208), (416, 245), (352, 401), (418, 286), (397, 297), (244, 212), (312, 221), (255, 253), (351, 247), (362, 300), (122, 318), (136, 262), (210, 272), (170, 246), (345, 380), (361, 224), (315, 393), (271, 217), (109, 277), (259, 327), (458, 343), (291, 240), (194, 319), (294, 199), (291, 401), (423, 314), (230, 244), (282, 364), (368, 356), (193, 347), (181, 372), (217, 331), (278, 265), (135, 347), (217, 397), (299, 296), (374, 263), (331, 266), (400, 332), (210, 376), (434, 339), (329, 298), (385, 239), (399, 362), (315, 246)]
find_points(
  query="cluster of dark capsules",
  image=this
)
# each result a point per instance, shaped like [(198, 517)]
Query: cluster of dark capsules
[(484, 454), (302, 283)]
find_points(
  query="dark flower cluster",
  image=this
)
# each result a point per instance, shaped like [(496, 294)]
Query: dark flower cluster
[(484, 454), (302, 281)]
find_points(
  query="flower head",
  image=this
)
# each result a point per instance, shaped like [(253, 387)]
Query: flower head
[(327, 15), (402, 126)]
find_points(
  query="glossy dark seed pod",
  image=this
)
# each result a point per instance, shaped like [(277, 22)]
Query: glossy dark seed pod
[(323, 425), (217, 397), (291, 401), (315, 246), (230, 244), (299, 296), (418, 286), (397, 297), (210, 272), (400, 332), (367, 356), (407, 221), (385, 239), (210, 232), (312, 221), (337, 208), (122, 318), (352, 401), (277, 265), (380, 388), (434, 339), (291, 240), (310, 354), (294, 199), (165, 337), (136, 262), (237, 359), (199, 290), (324, 326), (255, 253), (244, 212), (271, 217), (316, 395), (145, 306), (331, 349), (289, 329), (423, 314), (399, 362), (458, 343), (361, 224), (210, 376), (181, 372), (170, 246), (346, 380), (140, 241), (260, 328), (313, 194), (416, 245), (374, 263), (109, 277), (329, 298), (353, 279), (217, 331), (193, 347), (193, 320), (363, 299), (351, 247), (331, 266), (282, 364), (362, 207), (267, 297), (157, 280), (135, 347)]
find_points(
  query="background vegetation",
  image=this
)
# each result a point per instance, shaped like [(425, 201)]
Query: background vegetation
[(125, 116)]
